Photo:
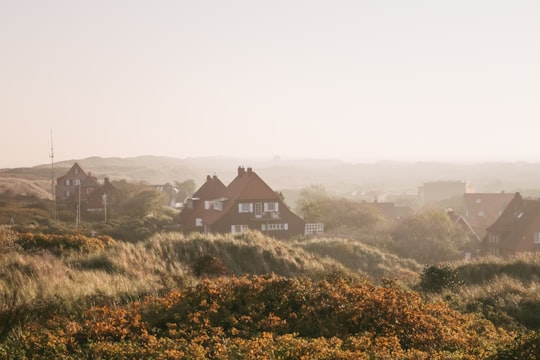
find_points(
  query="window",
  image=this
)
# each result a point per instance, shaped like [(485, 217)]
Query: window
[(271, 206), (478, 201), (218, 205), (198, 222), (481, 213), (238, 229), (274, 227), (68, 182), (245, 207), (207, 204), (68, 193), (76, 171), (258, 210), (311, 229), (536, 238), (76, 182)]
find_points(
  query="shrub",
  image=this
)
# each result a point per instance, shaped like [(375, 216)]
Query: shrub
[(436, 278)]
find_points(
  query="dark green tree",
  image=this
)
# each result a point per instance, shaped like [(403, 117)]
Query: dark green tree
[(429, 237)]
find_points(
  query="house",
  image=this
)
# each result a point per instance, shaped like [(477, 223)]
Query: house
[(78, 186), (75, 184), (247, 203), (389, 210), (472, 248), (482, 209), (436, 191), (170, 195), (516, 230)]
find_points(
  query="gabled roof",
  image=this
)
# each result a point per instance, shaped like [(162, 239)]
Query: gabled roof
[(211, 189), (516, 217), (87, 180), (247, 185)]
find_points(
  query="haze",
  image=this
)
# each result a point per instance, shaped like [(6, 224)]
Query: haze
[(356, 80)]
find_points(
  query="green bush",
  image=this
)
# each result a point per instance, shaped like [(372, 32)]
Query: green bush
[(435, 278)]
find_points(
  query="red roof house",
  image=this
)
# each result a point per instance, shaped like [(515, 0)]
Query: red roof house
[(483, 209), (516, 230), (247, 203)]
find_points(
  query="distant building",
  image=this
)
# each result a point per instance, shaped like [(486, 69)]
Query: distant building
[(247, 203), (170, 195), (78, 186), (516, 230), (432, 192), (482, 209), (390, 211), (74, 183)]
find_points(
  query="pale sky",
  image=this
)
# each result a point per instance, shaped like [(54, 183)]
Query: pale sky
[(355, 80)]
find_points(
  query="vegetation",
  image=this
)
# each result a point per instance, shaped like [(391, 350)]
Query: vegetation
[(124, 289)]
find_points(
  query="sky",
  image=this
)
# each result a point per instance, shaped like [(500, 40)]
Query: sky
[(354, 80)]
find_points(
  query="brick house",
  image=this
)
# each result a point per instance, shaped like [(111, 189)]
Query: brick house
[(247, 203), (516, 230), (76, 185), (74, 181), (483, 209)]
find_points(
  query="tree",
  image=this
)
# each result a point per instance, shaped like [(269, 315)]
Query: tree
[(136, 199), (428, 237), (186, 187), (317, 205)]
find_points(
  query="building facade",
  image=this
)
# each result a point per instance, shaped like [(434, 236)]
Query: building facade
[(247, 203)]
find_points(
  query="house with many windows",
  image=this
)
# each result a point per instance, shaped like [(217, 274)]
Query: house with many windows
[(247, 203), (516, 230)]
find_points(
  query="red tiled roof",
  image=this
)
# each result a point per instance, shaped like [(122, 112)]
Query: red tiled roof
[(247, 185), (483, 209), (211, 189), (519, 218)]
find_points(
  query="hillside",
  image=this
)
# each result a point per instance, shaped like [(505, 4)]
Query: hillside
[(223, 296), (398, 178)]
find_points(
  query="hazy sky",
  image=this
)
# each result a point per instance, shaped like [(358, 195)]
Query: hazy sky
[(367, 80)]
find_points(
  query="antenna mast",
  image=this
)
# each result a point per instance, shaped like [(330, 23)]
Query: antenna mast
[(53, 189)]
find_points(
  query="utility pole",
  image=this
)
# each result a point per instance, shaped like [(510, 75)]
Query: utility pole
[(53, 188), (77, 222), (105, 205)]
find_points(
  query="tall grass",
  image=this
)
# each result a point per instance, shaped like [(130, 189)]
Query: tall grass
[(505, 291), (362, 258)]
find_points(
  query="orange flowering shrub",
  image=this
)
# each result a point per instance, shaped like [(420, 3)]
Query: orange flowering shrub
[(57, 243), (269, 317)]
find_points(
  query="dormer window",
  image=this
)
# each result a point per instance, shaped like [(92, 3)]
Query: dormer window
[(218, 205)]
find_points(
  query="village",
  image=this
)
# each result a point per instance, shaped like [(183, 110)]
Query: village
[(497, 224)]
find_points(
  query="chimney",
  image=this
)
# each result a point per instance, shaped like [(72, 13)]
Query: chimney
[(249, 170), (214, 177), (241, 170), (106, 180), (208, 178)]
